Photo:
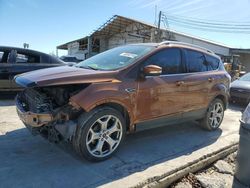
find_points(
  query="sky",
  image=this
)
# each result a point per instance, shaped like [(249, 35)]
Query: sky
[(45, 24)]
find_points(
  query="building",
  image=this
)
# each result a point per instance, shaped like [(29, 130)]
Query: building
[(120, 30)]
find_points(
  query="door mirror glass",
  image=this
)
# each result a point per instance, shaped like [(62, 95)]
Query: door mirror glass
[(152, 70)]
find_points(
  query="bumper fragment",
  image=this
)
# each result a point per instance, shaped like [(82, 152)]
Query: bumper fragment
[(33, 119)]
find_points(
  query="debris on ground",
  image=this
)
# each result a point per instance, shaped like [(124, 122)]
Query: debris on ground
[(215, 180), (224, 167), (218, 175), (190, 181)]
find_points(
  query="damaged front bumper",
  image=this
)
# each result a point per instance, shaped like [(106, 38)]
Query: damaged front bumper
[(33, 119), (54, 127)]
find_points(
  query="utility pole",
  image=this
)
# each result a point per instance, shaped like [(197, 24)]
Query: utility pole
[(26, 45), (159, 27)]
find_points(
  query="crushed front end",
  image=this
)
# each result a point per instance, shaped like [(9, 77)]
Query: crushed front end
[(47, 111)]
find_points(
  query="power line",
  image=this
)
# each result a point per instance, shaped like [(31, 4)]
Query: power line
[(206, 26), (212, 30), (210, 24), (206, 20)]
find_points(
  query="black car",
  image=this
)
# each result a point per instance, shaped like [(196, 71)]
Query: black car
[(240, 89), (15, 61)]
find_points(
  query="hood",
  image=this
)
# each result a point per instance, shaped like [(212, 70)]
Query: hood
[(63, 75), (240, 84)]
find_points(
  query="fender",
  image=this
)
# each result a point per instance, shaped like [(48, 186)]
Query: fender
[(219, 89), (98, 94)]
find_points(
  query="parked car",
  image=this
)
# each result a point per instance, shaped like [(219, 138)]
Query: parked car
[(95, 103), (240, 89), (15, 61)]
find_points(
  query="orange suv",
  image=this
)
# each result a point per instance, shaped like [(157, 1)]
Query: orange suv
[(96, 102)]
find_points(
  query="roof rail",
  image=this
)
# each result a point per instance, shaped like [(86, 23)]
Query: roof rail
[(187, 44)]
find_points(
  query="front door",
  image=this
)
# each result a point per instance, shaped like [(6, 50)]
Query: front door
[(162, 95)]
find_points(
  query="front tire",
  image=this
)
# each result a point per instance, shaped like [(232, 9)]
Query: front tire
[(214, 115), (99, 133)]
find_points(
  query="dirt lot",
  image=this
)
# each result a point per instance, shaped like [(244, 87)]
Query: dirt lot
[(27, 161)]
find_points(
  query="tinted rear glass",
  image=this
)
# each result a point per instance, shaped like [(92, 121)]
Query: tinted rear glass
[(213, 63), (195, 61)]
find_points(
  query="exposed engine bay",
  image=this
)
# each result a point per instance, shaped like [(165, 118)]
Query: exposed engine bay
[(48, 111)]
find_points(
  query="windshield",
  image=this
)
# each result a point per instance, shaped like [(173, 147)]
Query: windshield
[(116, 58), (246, 77)]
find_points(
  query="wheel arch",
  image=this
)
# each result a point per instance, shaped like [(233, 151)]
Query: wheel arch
[(223, 98), (220, 91), (119, 107)]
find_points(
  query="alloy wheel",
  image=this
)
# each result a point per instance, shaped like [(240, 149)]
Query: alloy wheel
[(104, 136), (216, 115)]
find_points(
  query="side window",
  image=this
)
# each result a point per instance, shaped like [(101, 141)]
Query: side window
[(195, 61), (1, 56), (168, 59), (23, 58), (20, 58), (213, 63)]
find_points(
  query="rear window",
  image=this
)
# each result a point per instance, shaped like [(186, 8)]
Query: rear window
[(213, 63), (23, 58), (195, 61)]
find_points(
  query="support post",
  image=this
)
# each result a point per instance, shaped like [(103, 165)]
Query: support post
[(89, 46)]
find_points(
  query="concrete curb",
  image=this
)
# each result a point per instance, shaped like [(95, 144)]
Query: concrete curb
[(192, 168)]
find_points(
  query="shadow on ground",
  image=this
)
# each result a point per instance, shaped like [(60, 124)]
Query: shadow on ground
[(33, 162)]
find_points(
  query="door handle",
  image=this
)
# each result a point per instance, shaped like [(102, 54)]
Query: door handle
[(179, 83), (130, 90), (211, 79)]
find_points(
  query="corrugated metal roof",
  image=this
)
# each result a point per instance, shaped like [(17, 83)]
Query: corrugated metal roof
[(117, 23)]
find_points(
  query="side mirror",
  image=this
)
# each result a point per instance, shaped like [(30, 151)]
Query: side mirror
[(152, 70)]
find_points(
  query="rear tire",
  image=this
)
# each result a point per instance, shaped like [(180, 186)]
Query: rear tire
[(99, 133), (214, 115)]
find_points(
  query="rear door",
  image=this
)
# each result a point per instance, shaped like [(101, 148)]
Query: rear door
[(216, 76), (198, 81)]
